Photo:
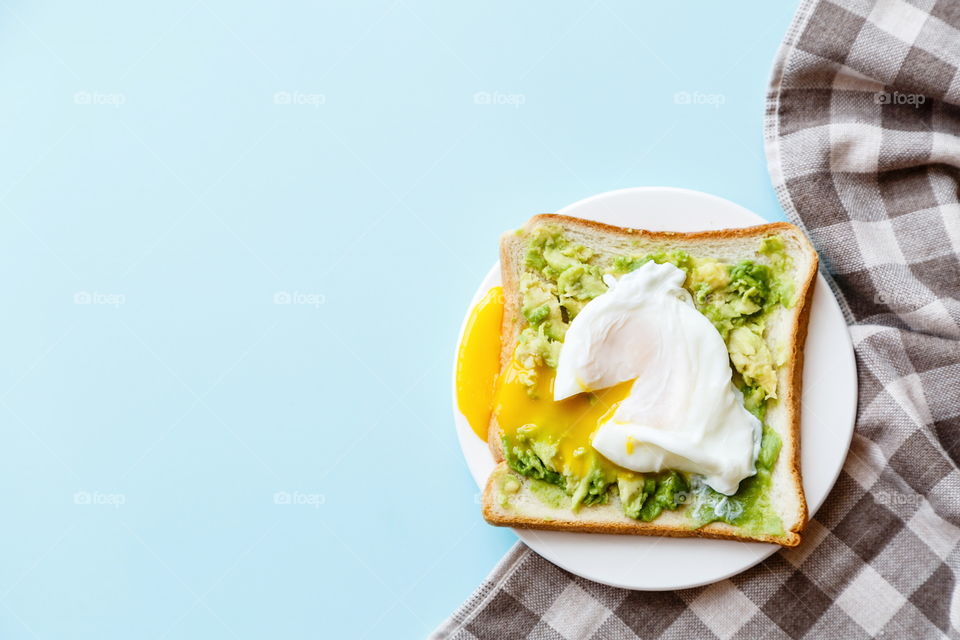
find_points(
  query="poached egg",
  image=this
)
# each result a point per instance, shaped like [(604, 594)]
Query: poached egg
[(682, 410)]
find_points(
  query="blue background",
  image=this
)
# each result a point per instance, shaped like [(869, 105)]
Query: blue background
[(237, 244)]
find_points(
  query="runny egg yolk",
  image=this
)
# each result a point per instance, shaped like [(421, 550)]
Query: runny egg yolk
[(478, 361), (569, 423)]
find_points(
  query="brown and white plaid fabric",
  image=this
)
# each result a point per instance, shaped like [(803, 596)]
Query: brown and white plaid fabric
[(863, 141)]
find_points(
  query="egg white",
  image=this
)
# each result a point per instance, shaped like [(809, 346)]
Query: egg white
[(683, 411)]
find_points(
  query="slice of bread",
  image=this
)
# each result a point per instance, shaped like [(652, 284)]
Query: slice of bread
[(785, 330)]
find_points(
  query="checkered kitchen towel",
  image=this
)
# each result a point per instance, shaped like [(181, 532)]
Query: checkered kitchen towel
[(863, 141)]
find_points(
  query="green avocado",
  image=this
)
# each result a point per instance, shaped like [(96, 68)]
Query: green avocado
[(591, 489), (541, 307), (645, 496), (625, 264), (550, 494), (634, 490), (533, 458), (670, 494), (737, 298), (751, 357), (550, 253), (563, 278), (524, 460), (578, 285), (750, 506)]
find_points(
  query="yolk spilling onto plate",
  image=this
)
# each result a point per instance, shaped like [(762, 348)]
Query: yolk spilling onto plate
[(478, 362), (570, 423)]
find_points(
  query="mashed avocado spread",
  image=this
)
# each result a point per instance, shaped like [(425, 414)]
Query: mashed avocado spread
[(561, 277)]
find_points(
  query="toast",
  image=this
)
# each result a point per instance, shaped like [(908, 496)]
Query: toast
[(513, 499)]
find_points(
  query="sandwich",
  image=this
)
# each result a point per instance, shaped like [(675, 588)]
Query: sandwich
[(646, 383)]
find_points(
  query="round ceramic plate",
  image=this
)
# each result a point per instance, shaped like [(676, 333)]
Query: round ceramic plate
[(828, 410)]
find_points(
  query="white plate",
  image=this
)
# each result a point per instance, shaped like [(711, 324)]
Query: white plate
[(828, 411)]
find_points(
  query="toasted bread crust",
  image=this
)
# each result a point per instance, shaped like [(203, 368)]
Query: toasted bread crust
[(791, 373), (795, 374), (715, 530)]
